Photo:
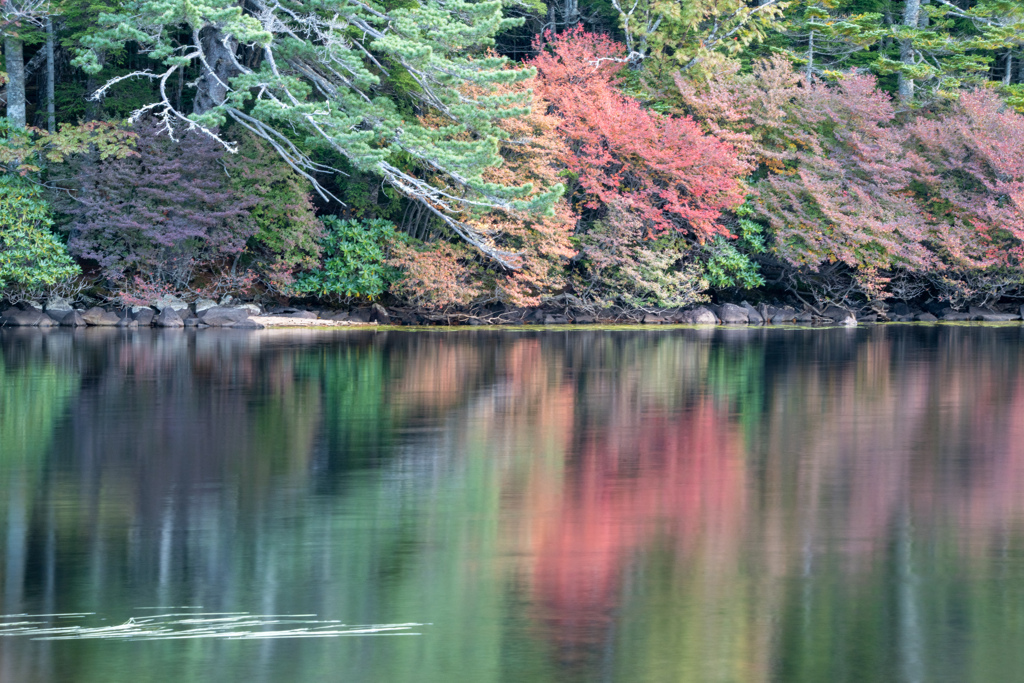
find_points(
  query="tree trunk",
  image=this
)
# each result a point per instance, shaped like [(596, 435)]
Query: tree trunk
[(911, 14), (810, 60), (1008, 76), (51, 112), (212, 86), (94, 108), (16, 81)]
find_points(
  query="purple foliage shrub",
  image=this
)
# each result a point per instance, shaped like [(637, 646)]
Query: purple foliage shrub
[(163, 215)]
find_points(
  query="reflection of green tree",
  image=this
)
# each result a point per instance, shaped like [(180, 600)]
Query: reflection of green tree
[(32, 397)]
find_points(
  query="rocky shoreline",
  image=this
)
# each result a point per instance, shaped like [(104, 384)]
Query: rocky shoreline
[(173, 312)]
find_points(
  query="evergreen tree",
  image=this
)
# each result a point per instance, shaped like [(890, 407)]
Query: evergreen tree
[(349, 77)]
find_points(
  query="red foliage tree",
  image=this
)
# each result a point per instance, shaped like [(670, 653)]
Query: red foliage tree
[(662, 169)]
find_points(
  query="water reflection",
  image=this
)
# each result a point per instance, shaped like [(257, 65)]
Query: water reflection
[(729, 505)]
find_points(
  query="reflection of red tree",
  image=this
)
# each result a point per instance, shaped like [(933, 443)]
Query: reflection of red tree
[(681, 475)]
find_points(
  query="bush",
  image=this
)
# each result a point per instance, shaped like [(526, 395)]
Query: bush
[(32, 260), (162, 215), (354, 260)]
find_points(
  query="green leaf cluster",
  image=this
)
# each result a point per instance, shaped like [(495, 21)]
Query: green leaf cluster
[(354, 260), (32, 259)]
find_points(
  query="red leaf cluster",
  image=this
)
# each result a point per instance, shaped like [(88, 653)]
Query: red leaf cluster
[(663, 169)]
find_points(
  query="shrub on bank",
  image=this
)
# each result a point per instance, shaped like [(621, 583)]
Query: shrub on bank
[(33, 261)]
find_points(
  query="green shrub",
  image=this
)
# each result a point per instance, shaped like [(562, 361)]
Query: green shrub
[(32, 260), (354, 260)]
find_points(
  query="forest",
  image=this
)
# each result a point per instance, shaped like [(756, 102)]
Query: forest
[(629, 155)]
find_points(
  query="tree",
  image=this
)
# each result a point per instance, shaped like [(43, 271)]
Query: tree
[(663, 169), (32, 259), (160, 215), (349, 77)]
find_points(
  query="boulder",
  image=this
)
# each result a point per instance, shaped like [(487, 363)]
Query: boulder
[(247, 325), (786, 314), (925, 317), (867, 318), (698, 316), (899, 309), (731, 314), (361, 315), (840, 316), (339, 315), (15, 317), (203, 304), (192, 322), (168, 301), (753, 315), (221, 316), (584, 319), (186, 313), (990, 316), (803, 317), (380, 315), (302, 315), (653, 319), (144, 315), (949, 315), (47, 321), (100, 317), (58, 305), (251, 309), (126, 322), (73, 319), (168, 317), (555, 319)]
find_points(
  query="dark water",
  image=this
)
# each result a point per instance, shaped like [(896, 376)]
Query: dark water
[(629, 505)]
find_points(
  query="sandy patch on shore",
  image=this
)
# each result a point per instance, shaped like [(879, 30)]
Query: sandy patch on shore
[(285, 321)]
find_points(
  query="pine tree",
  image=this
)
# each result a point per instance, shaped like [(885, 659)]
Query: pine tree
[(349, 77)]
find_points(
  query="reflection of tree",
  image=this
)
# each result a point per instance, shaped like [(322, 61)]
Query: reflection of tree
[(713, 506)]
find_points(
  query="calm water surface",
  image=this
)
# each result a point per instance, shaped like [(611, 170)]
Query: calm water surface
[(620, 505)]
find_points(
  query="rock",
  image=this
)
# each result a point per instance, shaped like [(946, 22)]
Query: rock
[(221, 316), (753, 316), (652, 319), (144, 315), (899, 309), (925, 317), (731, 314), (867, 318), (73, 319), (786, 314), (555, 319), (803, 317), (584, 320), (168, 318), (14, 317), (186, 313), (1022, 311), (303, 315), (339, 315), (949, 315), (840, 316), (203, 304), (100, 317), (226, 300), (901, 318), (58, 305), (193, 322), (990, 316), (360, 315), (125, 322), (168, 301), (47, 321), (252, 309), (380, 315), (247, 325), (698, 316)]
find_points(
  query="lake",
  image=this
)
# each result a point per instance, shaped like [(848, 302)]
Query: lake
[(717, 505)]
